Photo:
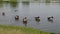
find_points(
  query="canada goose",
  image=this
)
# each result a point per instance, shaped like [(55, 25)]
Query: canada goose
[(25, 21), (50, 18), (16, 17), (3, 13), (37, 19)]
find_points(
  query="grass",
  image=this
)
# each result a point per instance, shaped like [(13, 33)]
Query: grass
[(19, 30)]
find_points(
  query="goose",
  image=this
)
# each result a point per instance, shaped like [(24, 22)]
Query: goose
[(16, 17), (50, 18), (3, 13), (37, 19), (25, 21)]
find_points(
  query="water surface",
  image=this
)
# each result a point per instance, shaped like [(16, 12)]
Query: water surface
[(30, 11)]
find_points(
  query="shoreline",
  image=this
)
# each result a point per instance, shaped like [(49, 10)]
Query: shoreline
[(20, 30)]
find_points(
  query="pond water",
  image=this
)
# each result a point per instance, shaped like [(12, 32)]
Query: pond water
[(30, 11)]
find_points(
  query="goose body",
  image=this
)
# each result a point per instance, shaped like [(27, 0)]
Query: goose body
[(25, 21), (37, 19), (16, 17), (3, 13), (50, 18)]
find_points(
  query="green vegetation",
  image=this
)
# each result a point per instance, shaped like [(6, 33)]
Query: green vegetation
[(1, 0), (19, 30)]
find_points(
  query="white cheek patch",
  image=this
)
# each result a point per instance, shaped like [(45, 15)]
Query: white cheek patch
[(51, 18), (25, 19)]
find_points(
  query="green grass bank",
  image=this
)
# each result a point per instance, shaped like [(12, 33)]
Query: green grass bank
[(4, 29)]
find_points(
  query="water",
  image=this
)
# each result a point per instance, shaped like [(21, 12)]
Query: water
[(30, 11)]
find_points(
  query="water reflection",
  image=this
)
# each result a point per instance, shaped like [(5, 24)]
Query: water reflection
[(50, 21), (1, 4), (25, 24), (47, 4), (14, 4), (47, 1), (58, 3), (25, 2)]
